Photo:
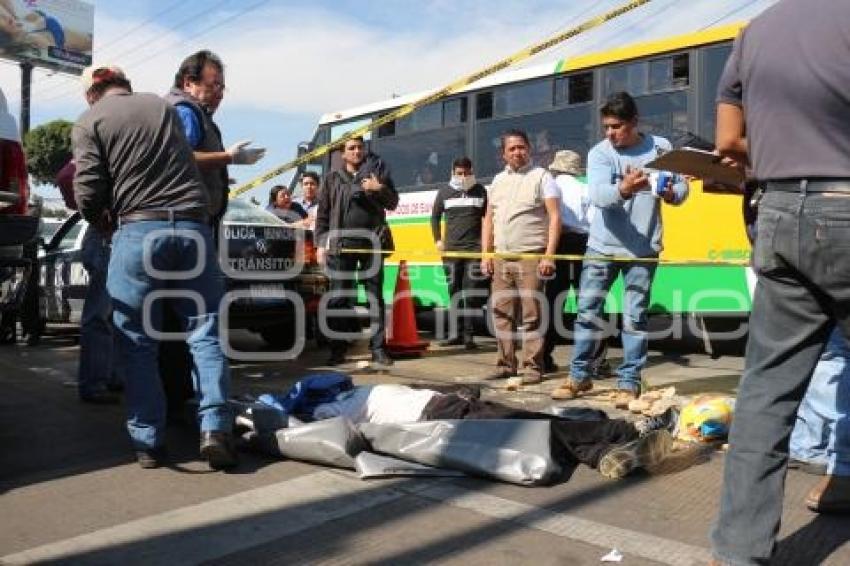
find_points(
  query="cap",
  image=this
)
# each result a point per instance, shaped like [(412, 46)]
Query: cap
[(97, 73), (566, 161)]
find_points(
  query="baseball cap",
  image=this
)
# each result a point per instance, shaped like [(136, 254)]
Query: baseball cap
[(97, 73)]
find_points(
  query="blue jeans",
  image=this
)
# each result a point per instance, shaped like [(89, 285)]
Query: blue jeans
[(821, 433), (803, 292), (98, 366), (130, 283), (596, 280)]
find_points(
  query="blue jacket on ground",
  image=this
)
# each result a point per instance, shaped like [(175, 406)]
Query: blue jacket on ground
[(302, 398), (626, 227)]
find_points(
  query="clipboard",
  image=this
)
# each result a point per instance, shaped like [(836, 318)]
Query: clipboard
[(697, 163)]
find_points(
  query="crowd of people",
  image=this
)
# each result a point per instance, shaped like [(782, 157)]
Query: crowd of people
[(150, 175)]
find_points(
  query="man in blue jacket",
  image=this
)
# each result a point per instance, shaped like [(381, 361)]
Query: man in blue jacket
[(627, 224)]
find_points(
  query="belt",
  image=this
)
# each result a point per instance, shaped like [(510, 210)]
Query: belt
[(808, 185), (170, 214)]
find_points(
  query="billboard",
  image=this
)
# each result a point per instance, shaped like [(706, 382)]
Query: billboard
[(56, 34)]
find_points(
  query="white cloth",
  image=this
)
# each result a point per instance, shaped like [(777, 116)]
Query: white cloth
[(380, 404), (577, 211)]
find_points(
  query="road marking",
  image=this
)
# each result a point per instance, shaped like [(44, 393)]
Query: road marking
[(223, 526), (628, 542)]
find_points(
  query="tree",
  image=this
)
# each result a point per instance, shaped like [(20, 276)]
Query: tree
[(48, 148)]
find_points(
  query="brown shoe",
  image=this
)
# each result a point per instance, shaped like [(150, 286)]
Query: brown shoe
[(531, 377), (830, 495), (571, 389), (500, 373), (623, 396)]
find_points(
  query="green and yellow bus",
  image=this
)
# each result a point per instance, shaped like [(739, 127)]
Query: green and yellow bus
[(674, 81)]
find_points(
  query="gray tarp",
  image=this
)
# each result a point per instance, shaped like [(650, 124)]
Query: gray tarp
[(371, 465), (515, 451), (333, 442)]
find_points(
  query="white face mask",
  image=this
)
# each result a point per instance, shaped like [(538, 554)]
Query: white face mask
[(462, 183)]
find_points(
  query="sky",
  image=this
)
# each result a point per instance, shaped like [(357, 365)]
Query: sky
[(288, 62)]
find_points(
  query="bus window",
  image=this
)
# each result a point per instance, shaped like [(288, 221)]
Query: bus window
[(454, 112), (484, 106), (664, 114), (419, 160), (568, 128), (426, 118), (574, 89), (714, 59), (523, 98), (646, 77)]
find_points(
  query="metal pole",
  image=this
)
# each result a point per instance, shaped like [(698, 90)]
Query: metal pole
[(26, 91)]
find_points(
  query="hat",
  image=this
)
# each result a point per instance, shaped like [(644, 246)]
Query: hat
[(566, 161), (97, 73)]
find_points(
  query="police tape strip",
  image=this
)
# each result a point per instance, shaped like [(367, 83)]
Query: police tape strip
[(448, 90), (556, 257)]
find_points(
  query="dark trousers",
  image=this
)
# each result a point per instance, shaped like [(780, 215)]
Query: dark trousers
[(567, 275), (465, 280), (369, 268), (801, 259), (573, 441)]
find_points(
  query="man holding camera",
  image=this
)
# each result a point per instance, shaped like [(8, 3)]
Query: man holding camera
[(626, 228)]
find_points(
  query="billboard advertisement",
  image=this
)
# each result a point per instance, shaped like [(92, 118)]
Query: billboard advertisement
[(56, 34)]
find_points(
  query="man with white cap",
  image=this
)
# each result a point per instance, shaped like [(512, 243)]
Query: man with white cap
[(576, 215), (135, 171)]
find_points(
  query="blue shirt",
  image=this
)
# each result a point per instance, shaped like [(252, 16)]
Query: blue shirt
[(191, 125), (624, 227)]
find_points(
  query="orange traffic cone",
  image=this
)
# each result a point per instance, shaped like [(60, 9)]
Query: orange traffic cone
[(403, 337)]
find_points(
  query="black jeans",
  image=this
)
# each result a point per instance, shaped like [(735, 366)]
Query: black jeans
[(465, 282), (567, 274), (573, 441), (802, 259), (369, 268)]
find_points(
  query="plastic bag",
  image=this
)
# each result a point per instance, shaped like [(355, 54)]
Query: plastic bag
[(706, 418)]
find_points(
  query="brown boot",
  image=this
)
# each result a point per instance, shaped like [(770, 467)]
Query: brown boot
[(571, 389), (830, 495), (623, 397)]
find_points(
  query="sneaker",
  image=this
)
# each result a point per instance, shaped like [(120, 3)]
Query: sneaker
[(668, 420), (531, 377), (500, 373), (150, 458), (218, 450), (549, 365), (451, 342), (647, 451), (571, 389), (622, 397), (380, 359)]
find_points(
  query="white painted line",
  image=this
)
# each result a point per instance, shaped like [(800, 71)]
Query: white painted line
[(628, 542), (219, 527)]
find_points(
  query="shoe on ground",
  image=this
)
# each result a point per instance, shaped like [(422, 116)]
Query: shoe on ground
[(571, 389), (549, 365), (336, 358), (645, 452), (150, 458), (380, 359), (458, 341), (218, 450), (830, 495), (804, 466), (622, 397), (668, 420), (100, 398), (500, 373), (531, 377), (470, 344)]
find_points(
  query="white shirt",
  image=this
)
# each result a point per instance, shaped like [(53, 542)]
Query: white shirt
[(577, 212), (381, 404)]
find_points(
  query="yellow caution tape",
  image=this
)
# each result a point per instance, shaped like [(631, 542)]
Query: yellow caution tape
[(557, 257), (452, 88)]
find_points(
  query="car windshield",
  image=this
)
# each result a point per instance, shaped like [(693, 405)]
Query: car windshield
[(242, 212)]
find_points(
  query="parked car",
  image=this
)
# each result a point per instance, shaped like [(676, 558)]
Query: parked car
[(259, 248), (17, 227)]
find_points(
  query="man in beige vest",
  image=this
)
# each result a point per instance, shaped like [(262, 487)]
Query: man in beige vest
[(523, 217)]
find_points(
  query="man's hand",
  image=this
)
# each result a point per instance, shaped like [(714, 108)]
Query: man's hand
[(546, 267), (487, 266), (634, 181), (440, 246), (241, 154), (372, 184)]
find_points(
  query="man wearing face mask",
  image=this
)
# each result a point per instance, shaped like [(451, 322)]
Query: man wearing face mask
[(463, 203)]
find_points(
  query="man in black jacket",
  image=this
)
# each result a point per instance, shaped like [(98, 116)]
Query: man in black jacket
[(462, 202), (352, 215)]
